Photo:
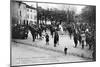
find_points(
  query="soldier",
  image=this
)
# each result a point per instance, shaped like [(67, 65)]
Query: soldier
[(56, 37), (37, 32), (79, 38), (32, 30), (51, 31), (75, 34), (70, 31), (89, 40), (75, 39), (83, 39), (40, 32)]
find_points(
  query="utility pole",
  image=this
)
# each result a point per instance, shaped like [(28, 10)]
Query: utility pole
[(37, 14)]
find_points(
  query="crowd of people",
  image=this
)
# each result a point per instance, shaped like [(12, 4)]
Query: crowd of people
[(80, 34), (85, 35), (37, 33)]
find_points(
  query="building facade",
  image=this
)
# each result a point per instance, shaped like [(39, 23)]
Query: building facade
[(31, 14), (21, 13)]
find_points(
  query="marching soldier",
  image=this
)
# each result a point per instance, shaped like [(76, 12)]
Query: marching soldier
[(32, 30), (83, 39), (56, 38), (75, 39)]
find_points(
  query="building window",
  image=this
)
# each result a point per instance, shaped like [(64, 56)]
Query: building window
[(35, 17), (31, 10)]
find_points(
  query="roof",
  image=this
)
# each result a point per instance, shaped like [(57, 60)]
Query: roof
[(27, 6)]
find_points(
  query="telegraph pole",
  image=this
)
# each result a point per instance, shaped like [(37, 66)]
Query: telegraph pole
[(37, 14)]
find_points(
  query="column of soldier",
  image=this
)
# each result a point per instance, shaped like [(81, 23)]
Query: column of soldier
[(80, 34)]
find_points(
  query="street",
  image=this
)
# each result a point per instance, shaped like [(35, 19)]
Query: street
[(26, 55), (39, 53)]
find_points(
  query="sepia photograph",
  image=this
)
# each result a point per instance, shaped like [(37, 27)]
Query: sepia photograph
[(51, 33)]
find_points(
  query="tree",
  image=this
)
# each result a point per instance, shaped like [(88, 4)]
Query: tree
[(89, 14), (58, 16)]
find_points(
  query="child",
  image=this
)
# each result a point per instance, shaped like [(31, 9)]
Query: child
[(47, 39)]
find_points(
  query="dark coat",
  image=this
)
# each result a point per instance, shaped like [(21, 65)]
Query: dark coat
[(47, 38), (75, 38), (33, 32), (56, 38)]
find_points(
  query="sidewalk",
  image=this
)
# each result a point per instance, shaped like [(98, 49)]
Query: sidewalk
[(63, 42)]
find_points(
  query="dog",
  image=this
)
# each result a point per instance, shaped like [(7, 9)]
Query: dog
[(65, 50)]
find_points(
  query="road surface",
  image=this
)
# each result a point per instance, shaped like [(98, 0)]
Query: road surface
[(27, 55)]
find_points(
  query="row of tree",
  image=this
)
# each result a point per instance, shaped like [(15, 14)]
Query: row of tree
[(55, 15), (67, 16), (89, 16)]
